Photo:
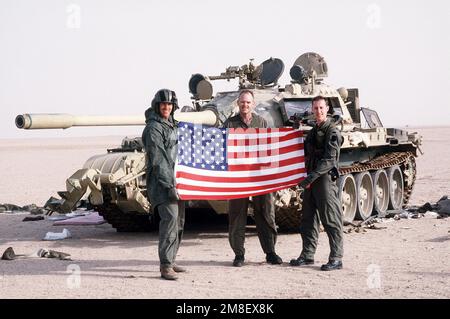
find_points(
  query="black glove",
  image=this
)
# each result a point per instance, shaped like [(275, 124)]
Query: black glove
[(173, 195), (334, 173), (303, 184)]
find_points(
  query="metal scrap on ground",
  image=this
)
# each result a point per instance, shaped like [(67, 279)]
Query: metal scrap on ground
[(32, 209), (9, 254), (84, 220), (439, 210)]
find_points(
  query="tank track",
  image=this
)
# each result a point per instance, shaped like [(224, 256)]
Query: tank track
[(289, 218), (405, 160), (126, 222), (409, 169)]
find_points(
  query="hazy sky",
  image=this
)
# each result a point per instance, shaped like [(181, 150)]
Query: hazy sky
[(109, 57)]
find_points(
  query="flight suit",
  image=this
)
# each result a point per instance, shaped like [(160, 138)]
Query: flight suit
[(320, 199), (160, 141), (264, 210)]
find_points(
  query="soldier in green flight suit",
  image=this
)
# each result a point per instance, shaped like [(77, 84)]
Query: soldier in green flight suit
[(320, 199), (264, 210), (160, 141)]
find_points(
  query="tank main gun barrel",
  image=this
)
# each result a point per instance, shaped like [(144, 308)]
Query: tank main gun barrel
[(207, 117), (63, 121)]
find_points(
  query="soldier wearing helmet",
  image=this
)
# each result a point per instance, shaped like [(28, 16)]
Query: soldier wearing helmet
[(160, 141)]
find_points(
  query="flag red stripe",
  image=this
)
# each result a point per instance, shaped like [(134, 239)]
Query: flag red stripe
[(272, 152), (234, 189), (261, 166), (227, 196), (253, 130), (263, 141), (261, 178)]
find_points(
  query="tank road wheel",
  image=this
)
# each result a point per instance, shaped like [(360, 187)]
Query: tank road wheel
[(364, 188), (395, 179), (348, 197), (381, 190)]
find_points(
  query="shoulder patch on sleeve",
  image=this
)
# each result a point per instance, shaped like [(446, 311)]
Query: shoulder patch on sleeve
[(335, 137)]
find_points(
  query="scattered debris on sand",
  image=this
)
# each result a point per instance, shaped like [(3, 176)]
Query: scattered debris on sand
[(439, 210), (9, 254), (32, 209), (58, 236), (33, 218)]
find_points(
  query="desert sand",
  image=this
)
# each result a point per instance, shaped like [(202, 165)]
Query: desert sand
[(407, 259)]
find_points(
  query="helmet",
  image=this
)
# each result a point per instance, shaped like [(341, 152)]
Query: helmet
[(165, 95)]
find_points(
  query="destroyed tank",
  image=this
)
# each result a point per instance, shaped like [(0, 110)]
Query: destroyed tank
[(377, 164)]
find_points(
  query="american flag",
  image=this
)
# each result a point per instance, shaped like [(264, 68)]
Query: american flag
[(226, 163)]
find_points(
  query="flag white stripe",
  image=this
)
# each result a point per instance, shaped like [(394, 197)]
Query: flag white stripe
[(266, 159), (192, 182), (263, 147), (208, 193), (262, 171), (246, 136)]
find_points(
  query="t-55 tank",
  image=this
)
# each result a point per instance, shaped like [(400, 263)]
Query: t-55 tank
[(377, 164)]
